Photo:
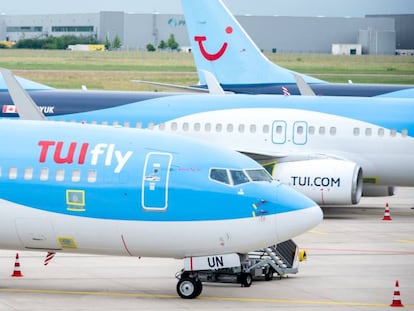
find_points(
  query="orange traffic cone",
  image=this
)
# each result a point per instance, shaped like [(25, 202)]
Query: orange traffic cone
[(387, 215), (16, 272), (396, 300)]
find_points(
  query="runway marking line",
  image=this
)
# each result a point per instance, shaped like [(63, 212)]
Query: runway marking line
[(363, 251), (162, 296), (406, 241), (69, 292), (317, 232)]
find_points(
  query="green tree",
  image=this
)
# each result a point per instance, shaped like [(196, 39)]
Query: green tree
[(53, 43), (150, 48), (162, 45), (116, 44), (107, 43), (171, 43)]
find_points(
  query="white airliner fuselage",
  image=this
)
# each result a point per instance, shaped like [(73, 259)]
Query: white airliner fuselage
[(116, 191), (325, 147)]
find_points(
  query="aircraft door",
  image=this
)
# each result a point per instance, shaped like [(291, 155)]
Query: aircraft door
[(279, 132), (300, 132), (155, 181)]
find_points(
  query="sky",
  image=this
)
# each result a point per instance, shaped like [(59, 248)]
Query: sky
[(336, 8)]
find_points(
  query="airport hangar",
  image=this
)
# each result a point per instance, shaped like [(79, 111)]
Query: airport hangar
[(376, 34)]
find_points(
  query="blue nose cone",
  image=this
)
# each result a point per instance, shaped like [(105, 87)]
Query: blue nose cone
[(295, 213)]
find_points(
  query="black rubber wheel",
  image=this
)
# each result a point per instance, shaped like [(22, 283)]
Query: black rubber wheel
[(199, 287), (189, 288), (269, 274), (246, 279)]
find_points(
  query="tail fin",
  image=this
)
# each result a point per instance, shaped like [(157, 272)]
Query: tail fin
[(221, 46)]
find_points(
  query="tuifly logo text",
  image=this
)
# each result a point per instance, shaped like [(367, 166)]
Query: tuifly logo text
[(80, 153)]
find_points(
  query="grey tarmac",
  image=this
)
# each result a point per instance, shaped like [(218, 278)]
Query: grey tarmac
[(354, 259)]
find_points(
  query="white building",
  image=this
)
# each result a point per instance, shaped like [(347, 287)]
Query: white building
[(289, 34), (346, 49)]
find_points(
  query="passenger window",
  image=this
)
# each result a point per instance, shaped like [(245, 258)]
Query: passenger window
[(186, 126), (311, 130), (92, 176), (229, 128), (126, 124), (381, 132), (332, 131), (76, 175), (279, 129), (356, 131), (368, 131), (28, 173), (138, 125), (404, 133), (13, 173), (322, 130), (241, 128), (219, 127), (393, 133), (150, 125), (253, 128), (266, 129), (207, 127), (44, 174), (220, 175), (174, 126), (115, 123), (197, 127), (161, 127), (299, 130), (239, 177), (60, 175)]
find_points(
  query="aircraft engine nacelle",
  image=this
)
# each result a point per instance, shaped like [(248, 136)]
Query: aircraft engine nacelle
[(378, 191), (326, 181)]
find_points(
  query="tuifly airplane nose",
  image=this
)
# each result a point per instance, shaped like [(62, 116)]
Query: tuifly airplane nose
[(297, 215)]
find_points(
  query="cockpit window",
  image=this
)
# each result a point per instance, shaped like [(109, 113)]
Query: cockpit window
[(220, 175), (236, 177), (259, 175), (239, 177)]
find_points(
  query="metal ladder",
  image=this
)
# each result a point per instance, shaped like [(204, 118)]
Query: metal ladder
[(282, 258)]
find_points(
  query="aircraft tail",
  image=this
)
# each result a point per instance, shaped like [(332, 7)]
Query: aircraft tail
[(222, 47)]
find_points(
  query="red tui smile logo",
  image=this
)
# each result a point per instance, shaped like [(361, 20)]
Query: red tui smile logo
[(212, 56)]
